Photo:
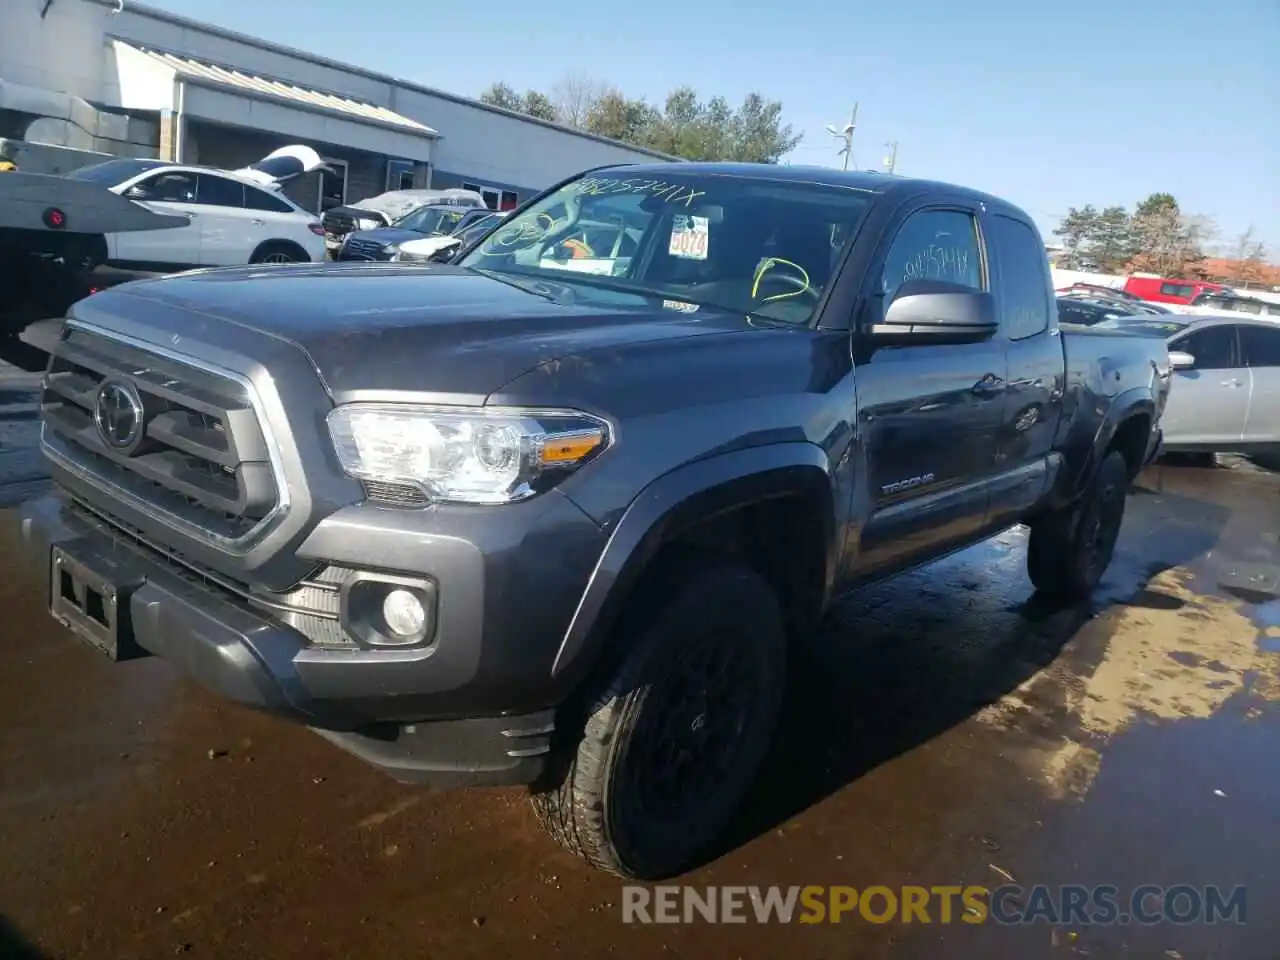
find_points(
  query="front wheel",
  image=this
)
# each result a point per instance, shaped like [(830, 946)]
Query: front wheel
[(1069, 551), (678, 731), (279, 252)]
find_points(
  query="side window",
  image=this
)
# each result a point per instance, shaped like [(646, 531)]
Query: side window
[(1024, 278), (1260, 346), (933, 245), (1214, 347), (256, 199), (170, 187), (219, 192), (1176, 289)]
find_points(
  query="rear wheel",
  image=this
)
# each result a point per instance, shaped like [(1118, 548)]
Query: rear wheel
[(677, 732), (279, 251), (1069, 551)]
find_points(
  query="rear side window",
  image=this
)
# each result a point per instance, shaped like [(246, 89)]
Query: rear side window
[(1214, 347), (173, 187), (1023, 270), (1177, 289), (219, 192), (1260, 346), (934, 245), (256, 199)]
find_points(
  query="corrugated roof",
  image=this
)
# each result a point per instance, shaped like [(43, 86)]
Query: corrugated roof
[(281, 90)]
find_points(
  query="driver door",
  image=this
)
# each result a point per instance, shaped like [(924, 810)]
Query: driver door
[(1209, 401), (928, 415), (171, 192)]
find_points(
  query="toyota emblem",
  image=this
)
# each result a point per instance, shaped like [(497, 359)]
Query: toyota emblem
[(118, 414)]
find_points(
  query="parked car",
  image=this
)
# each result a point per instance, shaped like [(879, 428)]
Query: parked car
[(386, 208), (1086, 313), (233, 217), (470, 228), (501, 521), (1233, 303), (1225, 396), (382, 243), (1162, 290)]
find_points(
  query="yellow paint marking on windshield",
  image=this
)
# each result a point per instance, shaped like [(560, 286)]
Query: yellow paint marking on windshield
[(768, 264), (662, 189)]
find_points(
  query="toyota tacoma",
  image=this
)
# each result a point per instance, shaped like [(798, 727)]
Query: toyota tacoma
[(556, 513)]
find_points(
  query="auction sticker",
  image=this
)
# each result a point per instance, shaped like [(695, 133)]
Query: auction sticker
[(689, 236)]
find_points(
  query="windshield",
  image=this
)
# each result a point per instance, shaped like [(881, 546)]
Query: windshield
[(758, 246), (111, 172), (432, 221)]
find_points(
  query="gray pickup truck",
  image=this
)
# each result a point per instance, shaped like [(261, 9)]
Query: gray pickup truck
[(556, 512)]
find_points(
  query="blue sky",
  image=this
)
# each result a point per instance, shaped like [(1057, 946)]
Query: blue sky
[(1049, 105)]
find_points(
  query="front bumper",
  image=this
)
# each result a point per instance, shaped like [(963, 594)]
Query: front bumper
[(348, 696)]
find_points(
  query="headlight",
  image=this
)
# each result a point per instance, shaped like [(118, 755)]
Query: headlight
[(408, 256), (461, 455)]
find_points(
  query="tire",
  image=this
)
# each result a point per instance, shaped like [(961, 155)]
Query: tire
[(279, 251), (1070, 551), (611, 809)]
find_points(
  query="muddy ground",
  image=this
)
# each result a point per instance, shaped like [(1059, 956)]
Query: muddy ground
[(951, 731)]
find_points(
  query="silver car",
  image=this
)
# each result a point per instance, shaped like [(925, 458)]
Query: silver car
[(1226, 382)]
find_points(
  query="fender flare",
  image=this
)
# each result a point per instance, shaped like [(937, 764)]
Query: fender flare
[(1137, 400), (675, 502)]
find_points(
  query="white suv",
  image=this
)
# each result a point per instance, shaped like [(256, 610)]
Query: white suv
[(234, 217)]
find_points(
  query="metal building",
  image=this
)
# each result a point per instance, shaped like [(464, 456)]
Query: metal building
[(120, 78)]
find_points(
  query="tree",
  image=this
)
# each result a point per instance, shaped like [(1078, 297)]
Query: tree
[(574, 96), (531, 103), (1166, 240), (619, 118), (1111, 244), (685, 127), (1248, 258), (1076, 230)]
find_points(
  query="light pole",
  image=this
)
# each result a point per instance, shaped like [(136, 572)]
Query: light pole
[(846, 134), (891, 160)]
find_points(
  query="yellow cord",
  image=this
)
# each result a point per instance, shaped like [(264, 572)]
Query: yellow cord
[(768, 265)]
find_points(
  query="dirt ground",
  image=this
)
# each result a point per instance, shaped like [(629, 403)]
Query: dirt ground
[(951, 731)]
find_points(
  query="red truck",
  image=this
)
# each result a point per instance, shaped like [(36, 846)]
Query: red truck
[(1163, 290)]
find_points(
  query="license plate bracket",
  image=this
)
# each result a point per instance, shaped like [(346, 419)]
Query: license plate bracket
[(89, 594)]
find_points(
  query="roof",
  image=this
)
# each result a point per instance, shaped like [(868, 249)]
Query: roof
[(188, 23), (203, 71)]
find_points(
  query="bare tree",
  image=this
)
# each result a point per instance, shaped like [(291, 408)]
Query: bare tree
[(573, 98), (1248, 257)]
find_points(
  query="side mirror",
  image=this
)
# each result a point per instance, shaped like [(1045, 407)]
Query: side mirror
[(1180, 360), (936, 311), (135, 193)]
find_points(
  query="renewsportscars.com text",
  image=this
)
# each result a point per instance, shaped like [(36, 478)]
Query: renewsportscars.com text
[(1009, 904)]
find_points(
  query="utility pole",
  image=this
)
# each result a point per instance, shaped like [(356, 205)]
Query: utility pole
[(891, 160), (846, 135)]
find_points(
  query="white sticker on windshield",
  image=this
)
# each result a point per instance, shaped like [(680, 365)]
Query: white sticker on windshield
[(689, 236)]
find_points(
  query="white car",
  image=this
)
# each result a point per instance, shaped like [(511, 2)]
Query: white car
[(233, 217), (473, 225)]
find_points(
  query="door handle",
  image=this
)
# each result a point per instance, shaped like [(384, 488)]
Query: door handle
[(1231, 383), (257, 223)]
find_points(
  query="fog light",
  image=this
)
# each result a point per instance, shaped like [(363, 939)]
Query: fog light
[(404, 614)]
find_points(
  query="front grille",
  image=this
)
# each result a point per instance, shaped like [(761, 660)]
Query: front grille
[(312, 606), (358, 249), (198, 454), (338, 224)]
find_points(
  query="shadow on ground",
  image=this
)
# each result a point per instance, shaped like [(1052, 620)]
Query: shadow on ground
[(14, 946), (902, 662)]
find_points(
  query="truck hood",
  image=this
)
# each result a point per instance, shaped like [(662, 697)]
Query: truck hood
[(386, 328)]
